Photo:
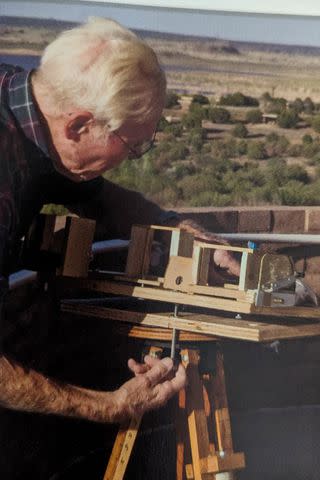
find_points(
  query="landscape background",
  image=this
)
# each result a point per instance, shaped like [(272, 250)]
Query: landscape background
[(241, 125)]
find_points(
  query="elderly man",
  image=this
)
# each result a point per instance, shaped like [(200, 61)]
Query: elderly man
[(95, 100)]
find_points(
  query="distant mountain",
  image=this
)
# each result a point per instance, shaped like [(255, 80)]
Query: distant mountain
[(226, 45)]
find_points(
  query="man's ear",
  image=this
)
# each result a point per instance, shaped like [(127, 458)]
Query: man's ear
[(77, 124)]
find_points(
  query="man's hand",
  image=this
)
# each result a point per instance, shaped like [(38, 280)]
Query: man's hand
[(155, 382), (222, 258)]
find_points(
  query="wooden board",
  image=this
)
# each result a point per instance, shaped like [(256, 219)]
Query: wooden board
[(251, 330), (205, 301)]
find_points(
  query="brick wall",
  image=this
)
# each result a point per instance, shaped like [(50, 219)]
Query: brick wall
[(257, 219)]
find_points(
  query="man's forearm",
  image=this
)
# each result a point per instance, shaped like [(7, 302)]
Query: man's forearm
[(27, 390)]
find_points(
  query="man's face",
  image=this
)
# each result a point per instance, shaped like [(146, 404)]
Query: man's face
[(95, 152)]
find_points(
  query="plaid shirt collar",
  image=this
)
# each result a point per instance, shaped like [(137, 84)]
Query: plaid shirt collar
[(22, 104)]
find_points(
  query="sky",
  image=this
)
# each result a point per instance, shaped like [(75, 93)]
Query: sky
[(285, 29)]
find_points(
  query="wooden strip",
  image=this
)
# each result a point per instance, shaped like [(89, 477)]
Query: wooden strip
[(77, 249), (215, 246), (197, 421), (222, 292), (136, 252), (221, 409), (163, 295), (122, 449), (207, 324), (167, 296)]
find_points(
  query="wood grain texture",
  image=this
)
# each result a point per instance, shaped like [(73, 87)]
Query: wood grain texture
[(212, 325)]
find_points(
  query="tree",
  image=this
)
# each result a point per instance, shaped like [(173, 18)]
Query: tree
[(200, 99), (219, 115), (297, 105), (237, 99), (254, 116), (316, 123), (240, 131), (172, 99), (256, 151), (309, 106), (288, 119)]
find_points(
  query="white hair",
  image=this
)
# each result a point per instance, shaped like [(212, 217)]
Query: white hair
[(105, 69)]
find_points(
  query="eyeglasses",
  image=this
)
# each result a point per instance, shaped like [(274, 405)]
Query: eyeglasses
[(138, 149)]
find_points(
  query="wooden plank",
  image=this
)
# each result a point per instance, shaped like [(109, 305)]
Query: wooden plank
[(79, 233), (125, 439), (227, 463), (249, 330), (197, 420), (181, 244), (136, 252), (215, 246), (223, 292), (163, 295), (205, 301), (178, 274), (221, 409), (200, 265)]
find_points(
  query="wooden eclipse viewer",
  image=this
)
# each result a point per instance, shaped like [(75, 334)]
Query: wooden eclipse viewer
[(266, 287)]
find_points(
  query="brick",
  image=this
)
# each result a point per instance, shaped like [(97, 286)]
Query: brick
[(287, 221), (221, 221), (312, 224), (254, 221)]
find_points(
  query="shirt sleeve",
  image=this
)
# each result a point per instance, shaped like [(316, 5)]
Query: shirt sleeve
[(116, 209)]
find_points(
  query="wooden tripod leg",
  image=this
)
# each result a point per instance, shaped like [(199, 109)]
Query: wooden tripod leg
[(125, 440), (182, 439), (197, 420), (221, 409)]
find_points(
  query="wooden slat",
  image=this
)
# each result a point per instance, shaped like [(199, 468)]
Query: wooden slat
[(79, 235), (214, 246), (136, 252), (197, 421), (205, 301), (250, 330), (166, 295)]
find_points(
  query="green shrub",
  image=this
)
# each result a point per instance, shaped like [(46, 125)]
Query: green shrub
[(276, 105), (175, 129), (254, 116), (316, 123), (276, 145), (240, 131), (172, 99), (297, 105), (219, 115), (298, 173), (295, 150), (307, 139), (256, 151), (53, 209), (237, 99), (162, 124), (288, 119), (309, 150), (309, 106), (200, 99)]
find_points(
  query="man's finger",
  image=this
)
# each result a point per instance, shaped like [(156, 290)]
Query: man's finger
[(160, 370), (166, 390), (137, 368)]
